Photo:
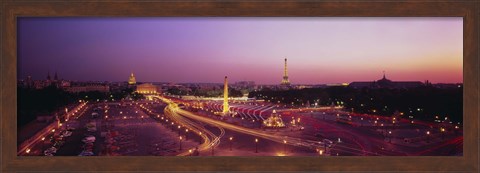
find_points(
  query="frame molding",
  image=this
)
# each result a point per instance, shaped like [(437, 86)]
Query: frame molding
[(10, 10)]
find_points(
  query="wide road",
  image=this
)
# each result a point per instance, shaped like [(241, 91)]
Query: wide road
[(209, 138), (173, 108)]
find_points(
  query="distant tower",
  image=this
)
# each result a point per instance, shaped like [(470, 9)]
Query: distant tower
[(285, 80), (48, 76), (225, 96), (55, 78), (131, 80)]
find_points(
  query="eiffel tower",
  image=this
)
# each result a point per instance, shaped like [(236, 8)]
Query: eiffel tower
[(285, 80)]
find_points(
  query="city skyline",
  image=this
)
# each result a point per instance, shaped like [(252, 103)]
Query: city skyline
[(203, 50)]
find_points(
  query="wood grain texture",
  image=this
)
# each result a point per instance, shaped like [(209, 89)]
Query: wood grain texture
[(469, 10)]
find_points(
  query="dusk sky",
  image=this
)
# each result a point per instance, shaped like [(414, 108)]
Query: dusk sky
[(198, 49)]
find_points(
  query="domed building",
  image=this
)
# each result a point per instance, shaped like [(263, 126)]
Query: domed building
[(274, 121), (131, 80), (386, 83)]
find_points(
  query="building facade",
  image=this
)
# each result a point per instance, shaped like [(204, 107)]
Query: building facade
[(88, 88), (147, 88)]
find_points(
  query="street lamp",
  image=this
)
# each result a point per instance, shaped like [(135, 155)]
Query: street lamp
[(186, 134), (43, 143), (428, 136), (256, 145), (390, 136), (285, 146), (443, 132), (180, 143), (385, 128), (179, 130), (213, 149), (231, 138), (456, 130)]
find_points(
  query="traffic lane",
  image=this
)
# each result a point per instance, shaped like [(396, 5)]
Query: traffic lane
[(246, 145), (363, 141), (246, 142), (366, 138)]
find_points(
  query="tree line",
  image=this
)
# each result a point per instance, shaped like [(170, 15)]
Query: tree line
[(425, 102)]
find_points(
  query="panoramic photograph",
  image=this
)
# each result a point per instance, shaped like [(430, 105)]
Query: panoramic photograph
[(240, 86)]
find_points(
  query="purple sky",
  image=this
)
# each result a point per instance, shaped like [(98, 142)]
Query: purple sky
[(319, 49)]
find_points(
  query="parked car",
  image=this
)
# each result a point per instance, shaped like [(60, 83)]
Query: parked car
[(67, 133), (86, 153), (89, 139)]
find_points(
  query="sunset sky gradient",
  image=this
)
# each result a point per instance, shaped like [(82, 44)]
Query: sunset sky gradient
[(319, 50)]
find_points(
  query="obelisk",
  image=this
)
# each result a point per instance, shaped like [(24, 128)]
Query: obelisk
[(225, 97)]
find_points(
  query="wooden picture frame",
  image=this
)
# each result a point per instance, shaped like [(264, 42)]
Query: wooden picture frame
[(10, 10)]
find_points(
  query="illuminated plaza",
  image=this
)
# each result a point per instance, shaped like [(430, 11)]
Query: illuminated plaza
[(163, 124), (183, 86)]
